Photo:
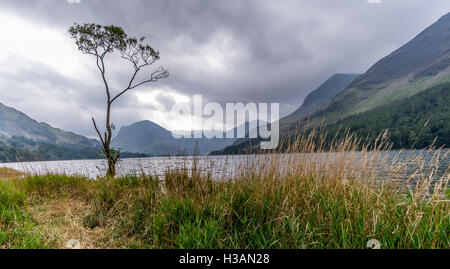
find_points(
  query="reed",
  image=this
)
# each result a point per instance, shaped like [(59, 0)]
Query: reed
[(317, 194)]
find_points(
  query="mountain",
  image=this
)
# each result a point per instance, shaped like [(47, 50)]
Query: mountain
[(150, 138), (23, 139), (412, 73), (414, 122), (15, 125), (320, 97), (146, 137), (422, 62)]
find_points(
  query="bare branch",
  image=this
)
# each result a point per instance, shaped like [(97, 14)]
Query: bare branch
[(132, 78), (98, 132), (101, 68), (155, 76)]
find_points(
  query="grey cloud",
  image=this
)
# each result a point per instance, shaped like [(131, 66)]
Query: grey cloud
[(275, 51), (165, 100)]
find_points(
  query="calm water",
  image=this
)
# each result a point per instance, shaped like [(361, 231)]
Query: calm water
[(220, 167)]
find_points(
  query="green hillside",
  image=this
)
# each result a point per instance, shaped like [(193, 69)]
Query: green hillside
[(419, 64), (414, 122), (14, 123), (19, 151), (46, 152), (23, 139)]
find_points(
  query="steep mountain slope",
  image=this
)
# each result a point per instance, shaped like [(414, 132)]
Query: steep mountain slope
[(16, 125), (320, 97), (419, 64), (414, 122)]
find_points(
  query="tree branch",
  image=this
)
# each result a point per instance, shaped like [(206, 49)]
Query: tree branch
[(102, 72), (155, 76), (98, 132)]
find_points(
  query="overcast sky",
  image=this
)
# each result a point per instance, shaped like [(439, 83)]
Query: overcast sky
[(228, 51)]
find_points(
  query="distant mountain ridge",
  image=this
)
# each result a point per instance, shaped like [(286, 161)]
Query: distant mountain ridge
[(312, 103), (145, 137), (320, 97), (23, 139), (14, 123), (152, 139)]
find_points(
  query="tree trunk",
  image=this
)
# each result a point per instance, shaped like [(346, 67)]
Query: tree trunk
[(111, 173), (111, 156)]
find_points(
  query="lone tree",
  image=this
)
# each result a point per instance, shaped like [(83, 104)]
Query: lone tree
[(101, 41)]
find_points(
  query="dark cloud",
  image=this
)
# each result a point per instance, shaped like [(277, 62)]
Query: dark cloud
[(228, 51)]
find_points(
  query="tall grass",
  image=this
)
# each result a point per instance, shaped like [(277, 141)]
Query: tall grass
[(334, 199), (17, 228), (319, 195)]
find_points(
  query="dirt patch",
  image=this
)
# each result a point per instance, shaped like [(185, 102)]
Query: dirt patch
[(8, 173), (62, 220)]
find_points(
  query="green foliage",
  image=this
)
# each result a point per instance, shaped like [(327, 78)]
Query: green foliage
[(415, 122), (11, 154), (20, 142), (53, 152), (96, 39), (46, 152), (90, 37)]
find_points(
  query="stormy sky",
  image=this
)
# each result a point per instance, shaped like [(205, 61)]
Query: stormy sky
[(226, 50)]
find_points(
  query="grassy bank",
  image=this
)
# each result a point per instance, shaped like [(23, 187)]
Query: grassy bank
[(333, 200)]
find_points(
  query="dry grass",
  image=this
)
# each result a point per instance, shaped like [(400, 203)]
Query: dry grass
[(321, 194), (62, 220), (8, 173)]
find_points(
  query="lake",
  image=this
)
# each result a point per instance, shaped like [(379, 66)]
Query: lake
[(415, 163)]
